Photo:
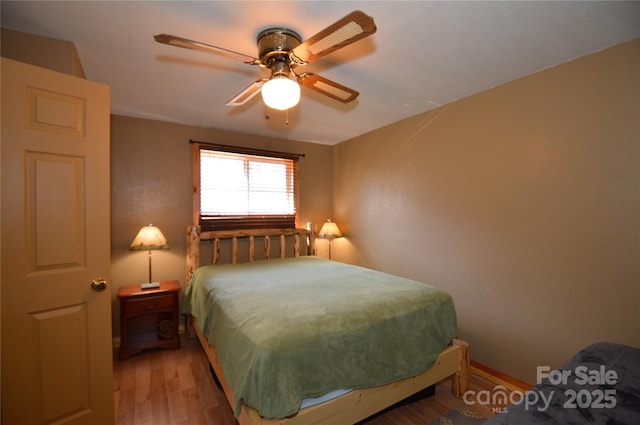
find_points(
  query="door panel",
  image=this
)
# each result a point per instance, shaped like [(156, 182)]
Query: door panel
[(55, 112), (60, 349), (56, 211), (56, 331)]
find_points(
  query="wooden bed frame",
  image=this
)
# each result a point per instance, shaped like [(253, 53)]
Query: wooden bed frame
[(349, 408)]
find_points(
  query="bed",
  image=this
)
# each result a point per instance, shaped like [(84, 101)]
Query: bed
[(299, 339), (598, 385)]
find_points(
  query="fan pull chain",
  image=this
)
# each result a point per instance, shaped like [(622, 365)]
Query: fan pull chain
[(286, 120)]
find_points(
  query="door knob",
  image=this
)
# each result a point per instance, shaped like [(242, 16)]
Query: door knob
[(99, 285)]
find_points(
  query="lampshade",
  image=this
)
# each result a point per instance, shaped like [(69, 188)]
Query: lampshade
[(329, 230), (148, 238), (280, 92)]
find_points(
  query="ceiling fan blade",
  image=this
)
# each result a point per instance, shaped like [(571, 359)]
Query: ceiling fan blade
[(347, 30), (173, 40), (327, 87), (247, 94)]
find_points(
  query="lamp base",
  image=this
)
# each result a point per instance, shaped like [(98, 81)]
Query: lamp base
[(150, 285)]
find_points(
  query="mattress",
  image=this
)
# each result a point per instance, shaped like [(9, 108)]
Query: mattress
[(599, 385), (296, 328)]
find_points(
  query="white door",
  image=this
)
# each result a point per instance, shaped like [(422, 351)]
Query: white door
[(57, 364)]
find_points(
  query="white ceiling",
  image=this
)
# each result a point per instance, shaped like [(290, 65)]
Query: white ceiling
[(424, 54)]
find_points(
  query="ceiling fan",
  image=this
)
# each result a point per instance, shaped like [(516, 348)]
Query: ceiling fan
[(281, 50)]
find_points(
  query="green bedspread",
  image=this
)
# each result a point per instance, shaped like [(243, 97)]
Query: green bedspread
[(288, 329)]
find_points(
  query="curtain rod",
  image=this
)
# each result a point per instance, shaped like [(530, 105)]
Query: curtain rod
[(240, 149)]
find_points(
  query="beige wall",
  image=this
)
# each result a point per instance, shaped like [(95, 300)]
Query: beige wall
[(521, 201), (151, 183), (46, 52)]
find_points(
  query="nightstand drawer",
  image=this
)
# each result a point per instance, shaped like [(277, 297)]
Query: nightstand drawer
[(149, 304)]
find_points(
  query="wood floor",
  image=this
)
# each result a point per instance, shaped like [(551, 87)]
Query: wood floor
[(174, 387)]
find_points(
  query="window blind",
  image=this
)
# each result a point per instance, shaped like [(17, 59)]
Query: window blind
[(246, 191)]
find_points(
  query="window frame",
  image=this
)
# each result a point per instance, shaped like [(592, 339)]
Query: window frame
[(240, 222)]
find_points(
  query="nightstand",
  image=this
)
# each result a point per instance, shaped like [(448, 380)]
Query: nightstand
[(149, 318)]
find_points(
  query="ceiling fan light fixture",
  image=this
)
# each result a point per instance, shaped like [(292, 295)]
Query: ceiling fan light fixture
[(281, 50), (280, 92)]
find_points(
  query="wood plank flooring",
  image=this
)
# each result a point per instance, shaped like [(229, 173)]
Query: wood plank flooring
[(174, 387)]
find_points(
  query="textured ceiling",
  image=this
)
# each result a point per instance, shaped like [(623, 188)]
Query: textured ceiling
[(424, 54)]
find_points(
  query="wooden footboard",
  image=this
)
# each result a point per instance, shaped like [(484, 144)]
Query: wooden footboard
[(357, 405)]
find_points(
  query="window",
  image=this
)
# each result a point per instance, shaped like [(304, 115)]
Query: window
[(238, 188)]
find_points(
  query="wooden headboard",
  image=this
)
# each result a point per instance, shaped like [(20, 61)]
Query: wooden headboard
[(195, 236)]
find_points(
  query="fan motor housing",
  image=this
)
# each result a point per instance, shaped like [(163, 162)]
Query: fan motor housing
[(275, 42)]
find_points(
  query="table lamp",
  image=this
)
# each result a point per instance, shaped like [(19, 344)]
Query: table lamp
[(149, 238), (329, 231)]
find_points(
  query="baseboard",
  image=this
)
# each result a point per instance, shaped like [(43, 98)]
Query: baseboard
[(499, 378)]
